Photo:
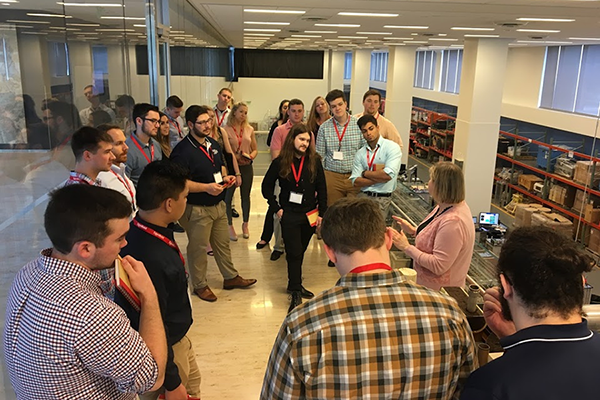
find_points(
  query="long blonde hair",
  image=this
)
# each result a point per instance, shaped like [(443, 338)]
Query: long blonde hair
[(314, 116), (231, 115)]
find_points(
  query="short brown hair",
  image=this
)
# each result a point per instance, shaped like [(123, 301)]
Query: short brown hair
[(372, 92), (229, 90), (449, 182), (353, 224)]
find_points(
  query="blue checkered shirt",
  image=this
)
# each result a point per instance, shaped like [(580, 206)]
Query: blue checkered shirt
[(328, 142)]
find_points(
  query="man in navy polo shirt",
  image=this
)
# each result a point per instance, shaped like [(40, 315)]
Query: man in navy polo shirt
[(550, 353), (205, 219)]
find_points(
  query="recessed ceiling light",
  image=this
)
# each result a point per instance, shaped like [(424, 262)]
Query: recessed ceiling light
[(444, 39), (374, 33), (546, 19), (340, 25), (352, 37), (49, 15), (89, 4), (258, 34), (416, 42), (265, 23), (414, 34), (126, 18), (360, 14), (481, 36), (320, 31), (19, 21), (261, 30), (5, 2), (442, 34), (337, 40), (405, 27), (583, 38), (307, 36), (539, 30), (253, 10), (465, 28), (139, 25), (398, 38), (70, 24)]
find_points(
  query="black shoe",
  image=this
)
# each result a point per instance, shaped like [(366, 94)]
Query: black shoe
[(275, 255), (295, 300), (178, 228), (306, 294), (330, 264), (260, 245), (234, 213)]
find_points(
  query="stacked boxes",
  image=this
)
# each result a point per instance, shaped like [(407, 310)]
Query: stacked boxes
[(580, 196), (523, 213), (594, 243), (555, 222), (563, 195), (583, 173), (528, 181)]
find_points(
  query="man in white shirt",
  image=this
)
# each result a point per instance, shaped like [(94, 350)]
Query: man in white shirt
[(222, 108), (116, 178), (371, 104), (91, 95), (376, 165)]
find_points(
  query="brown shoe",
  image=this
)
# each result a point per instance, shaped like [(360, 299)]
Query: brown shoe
[(205, 294), (238, 283)]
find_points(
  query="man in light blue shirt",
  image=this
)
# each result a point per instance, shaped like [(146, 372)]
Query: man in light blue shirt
[(376, 165)]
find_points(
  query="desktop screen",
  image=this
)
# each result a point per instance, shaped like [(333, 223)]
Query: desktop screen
[(488, 219)]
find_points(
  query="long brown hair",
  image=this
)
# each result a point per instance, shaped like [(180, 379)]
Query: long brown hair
[(288, 152), (314, 116), (164, 141)]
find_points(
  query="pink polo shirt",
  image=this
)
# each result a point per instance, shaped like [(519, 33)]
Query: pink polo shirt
[(281, 132), (443, 250)]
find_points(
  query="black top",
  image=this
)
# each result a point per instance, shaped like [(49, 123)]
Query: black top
[(549, 362), (188, 153), (168, 275), (305, 186)]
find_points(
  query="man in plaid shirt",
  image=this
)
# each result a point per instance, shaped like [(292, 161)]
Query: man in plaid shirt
[(373, 335)]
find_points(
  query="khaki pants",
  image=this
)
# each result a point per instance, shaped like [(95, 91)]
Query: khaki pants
[(338, 186), (185, 359), (204, 224), (384, 203)]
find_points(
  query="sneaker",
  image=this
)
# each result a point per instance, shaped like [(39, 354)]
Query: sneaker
[(295, 300)]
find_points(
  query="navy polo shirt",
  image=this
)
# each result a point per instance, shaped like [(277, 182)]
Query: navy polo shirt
[(188, 153), (549, 362)]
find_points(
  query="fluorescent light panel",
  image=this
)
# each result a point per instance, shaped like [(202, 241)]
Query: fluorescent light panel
[(465, 28), (48, 15), (254, 10), (89, 4), (258, 34), (70, 24), (125, 18), (340, 25), (320, 31), (374, 33), (444, 39), (539, 30), (361, 14), (307, 36), (405, 27), (583, 38), (481, 36), (265, 23), (352, 37), (545, 19), (261, 30), (18, 21), (397, 38)]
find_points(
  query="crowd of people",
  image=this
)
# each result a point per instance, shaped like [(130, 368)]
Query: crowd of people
[(72, 330)]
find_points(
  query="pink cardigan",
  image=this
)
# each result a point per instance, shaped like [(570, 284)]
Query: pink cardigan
[(443, 250)]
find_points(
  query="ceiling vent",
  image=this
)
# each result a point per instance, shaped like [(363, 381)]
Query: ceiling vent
[(538, 37), (314, 18), (510, 25)]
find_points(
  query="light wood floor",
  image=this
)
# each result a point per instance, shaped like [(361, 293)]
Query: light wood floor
[(233, 337)]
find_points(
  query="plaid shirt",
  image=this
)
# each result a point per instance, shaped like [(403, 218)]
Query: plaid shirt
[(328, 142), (77, 178), (64, 340), (372, 336)]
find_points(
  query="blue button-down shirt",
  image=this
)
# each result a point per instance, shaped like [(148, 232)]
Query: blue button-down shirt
[(389, 154), (328, 142)]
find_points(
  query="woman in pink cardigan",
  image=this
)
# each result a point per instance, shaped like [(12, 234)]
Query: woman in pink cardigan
[(444, 240)]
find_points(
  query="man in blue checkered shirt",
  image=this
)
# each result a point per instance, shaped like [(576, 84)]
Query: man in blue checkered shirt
[(62, 338)]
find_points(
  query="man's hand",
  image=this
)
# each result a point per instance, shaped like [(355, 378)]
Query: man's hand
[(492, 312), (178, 394), (214, 189), (138, 277), (280, 213), (405, 225), (399, 239)]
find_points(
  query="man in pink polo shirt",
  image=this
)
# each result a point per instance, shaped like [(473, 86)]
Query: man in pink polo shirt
[(296, 115)]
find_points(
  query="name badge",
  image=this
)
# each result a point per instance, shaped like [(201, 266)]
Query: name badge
[(338, 155), (218, 177), (295, 197)]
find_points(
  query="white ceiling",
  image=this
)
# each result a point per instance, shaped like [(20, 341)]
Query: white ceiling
[(228, 17)]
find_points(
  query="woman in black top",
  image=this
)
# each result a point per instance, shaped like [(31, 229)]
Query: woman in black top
[(281, 119), (303, 191)]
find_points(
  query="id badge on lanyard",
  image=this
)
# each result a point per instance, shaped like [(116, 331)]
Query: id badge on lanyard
[(296, 197), (338, 155), (218, 177)]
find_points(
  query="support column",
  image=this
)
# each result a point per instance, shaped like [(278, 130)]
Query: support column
[(336, 70), (478, 120), (399, 88), (361, 75)]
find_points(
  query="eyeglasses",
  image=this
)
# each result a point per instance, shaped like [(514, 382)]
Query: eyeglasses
[(204, 122), (152, 121)]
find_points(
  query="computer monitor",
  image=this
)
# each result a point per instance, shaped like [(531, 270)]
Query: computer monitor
[(490, 219)]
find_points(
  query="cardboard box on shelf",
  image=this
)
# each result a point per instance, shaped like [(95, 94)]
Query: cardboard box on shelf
[(555, 222), (579, 202), (563, 195), (527, 181), (523, 214), (582, 231), (583, 173), (594, 242), (591, 214)]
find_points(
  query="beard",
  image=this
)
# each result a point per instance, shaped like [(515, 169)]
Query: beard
[(300, 153), (505, 308), (200, 134)]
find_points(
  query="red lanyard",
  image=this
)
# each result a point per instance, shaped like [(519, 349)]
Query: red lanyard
[(370, 163), (208, 152), (124, 182), (157, 235), (239, 138), (135, 141), (340, 138), (176, 125), (299, 172), (220, 121), (370, 267)]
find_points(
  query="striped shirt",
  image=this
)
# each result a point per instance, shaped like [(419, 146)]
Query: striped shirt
[(328, 142), (64, 340), (77, 178), (372, 336)]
